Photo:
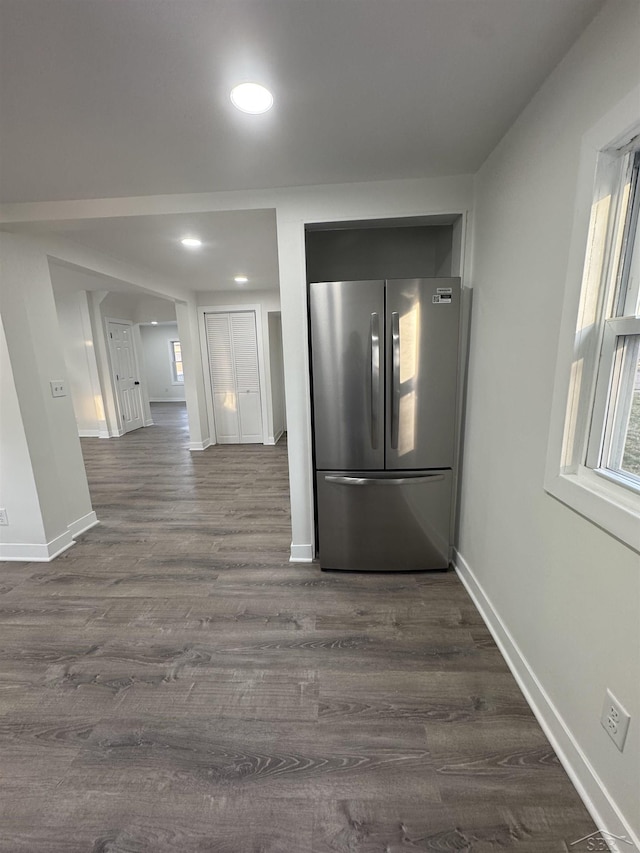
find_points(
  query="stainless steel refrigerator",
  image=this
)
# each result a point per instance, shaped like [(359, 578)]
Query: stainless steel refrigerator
[(384, 358)]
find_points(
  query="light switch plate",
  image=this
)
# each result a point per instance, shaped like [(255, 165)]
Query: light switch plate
[(58, 388)]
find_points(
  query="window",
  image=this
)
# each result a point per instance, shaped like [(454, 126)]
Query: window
[(177, 373), (593, 462), (614, 437)]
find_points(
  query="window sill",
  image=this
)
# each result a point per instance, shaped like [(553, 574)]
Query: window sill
[(613, 508)]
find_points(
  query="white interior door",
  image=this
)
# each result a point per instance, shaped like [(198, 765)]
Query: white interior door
[(235, 380), (125, 375)]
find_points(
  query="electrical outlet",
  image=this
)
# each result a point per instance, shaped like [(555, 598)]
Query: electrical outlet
[(4, 519), (615, 719), (57, 388)]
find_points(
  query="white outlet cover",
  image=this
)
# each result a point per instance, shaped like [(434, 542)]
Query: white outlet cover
[(57, 388), (615, 719)]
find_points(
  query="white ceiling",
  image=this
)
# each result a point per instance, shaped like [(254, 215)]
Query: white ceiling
[(109, 98), (234, 243), (103, 99)]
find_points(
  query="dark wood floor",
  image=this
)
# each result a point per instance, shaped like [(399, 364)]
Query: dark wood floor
[(172, 683)]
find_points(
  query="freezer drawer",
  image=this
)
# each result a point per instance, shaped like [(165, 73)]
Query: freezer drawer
[(384, 521)]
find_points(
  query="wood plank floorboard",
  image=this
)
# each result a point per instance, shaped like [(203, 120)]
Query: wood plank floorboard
[(172, 684)]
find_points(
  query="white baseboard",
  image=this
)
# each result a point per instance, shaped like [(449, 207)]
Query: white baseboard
[(148, 422), (89, 433), (200, 445), (301, 553), (167, 400), (588, 784), (104, 433), (80, 525), (274, 439), (32, 553)]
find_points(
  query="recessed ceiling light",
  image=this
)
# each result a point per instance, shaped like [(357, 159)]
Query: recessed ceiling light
[(241, 279), (154, 322), (191, 242), (251, 98)]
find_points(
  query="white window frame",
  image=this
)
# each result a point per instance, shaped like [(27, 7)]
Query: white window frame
[(172, 358), (580, 425)]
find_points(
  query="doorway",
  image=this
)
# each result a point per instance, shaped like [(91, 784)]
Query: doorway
[(126, 378)]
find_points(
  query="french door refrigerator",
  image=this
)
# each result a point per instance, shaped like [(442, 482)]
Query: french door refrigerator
[(384, 358)]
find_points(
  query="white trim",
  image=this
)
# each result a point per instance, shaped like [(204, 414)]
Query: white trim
[(201, 445), (165, 400), (588, 784), (89, 433), (274, 439), (15, 552), (301, 553), (114, 433), (608, 505), (81, 525), (149, 421)]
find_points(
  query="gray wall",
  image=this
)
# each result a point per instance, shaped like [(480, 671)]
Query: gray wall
[(361, 253)]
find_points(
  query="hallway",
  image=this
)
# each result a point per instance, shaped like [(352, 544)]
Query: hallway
[(173, 683)]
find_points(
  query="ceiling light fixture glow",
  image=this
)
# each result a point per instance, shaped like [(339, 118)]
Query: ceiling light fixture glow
[(154, 322), (191, 242), (251, 98), (241, 279)]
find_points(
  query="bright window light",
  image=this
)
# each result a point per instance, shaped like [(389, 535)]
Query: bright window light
[(175, 354), (251, 98)]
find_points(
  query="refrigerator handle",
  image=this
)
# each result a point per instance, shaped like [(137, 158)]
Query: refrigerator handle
[(395, 379), (375, 379), (373, 481)]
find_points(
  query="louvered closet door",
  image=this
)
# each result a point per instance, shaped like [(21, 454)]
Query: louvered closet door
[(245, 356), (235, 385)]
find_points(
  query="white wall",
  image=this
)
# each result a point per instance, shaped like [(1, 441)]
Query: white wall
[(80, 360), (277, 373), (18, 493), (150, 308), (562, 594), (157, 363), (36, 358)]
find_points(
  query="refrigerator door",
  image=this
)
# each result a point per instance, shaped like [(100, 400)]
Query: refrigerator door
[(384, 522), (422, 320), (347, 357)]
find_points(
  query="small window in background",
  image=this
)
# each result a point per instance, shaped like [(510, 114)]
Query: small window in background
[(176, 362)]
